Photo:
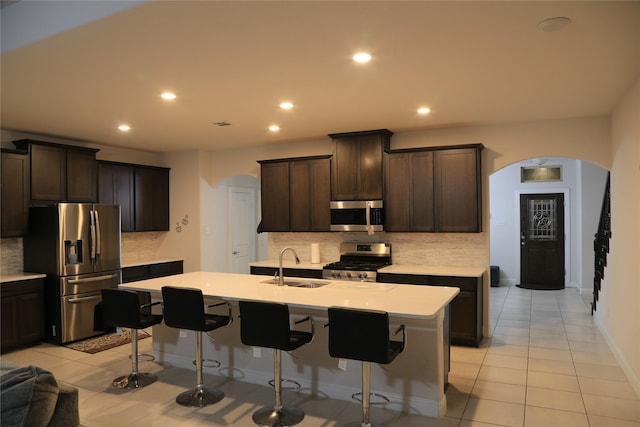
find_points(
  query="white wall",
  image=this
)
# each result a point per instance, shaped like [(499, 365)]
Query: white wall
[(618, 311), (183, 241)]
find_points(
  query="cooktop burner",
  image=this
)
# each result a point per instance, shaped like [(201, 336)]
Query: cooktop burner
[(359, 261), (356, 265)]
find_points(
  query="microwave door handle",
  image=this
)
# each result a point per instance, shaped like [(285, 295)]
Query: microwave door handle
[(98, 241), (368, 215)]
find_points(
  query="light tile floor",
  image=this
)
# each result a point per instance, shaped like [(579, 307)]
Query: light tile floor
[(546, 365)]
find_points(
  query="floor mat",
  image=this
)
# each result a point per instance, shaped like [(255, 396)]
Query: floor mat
[(104, 342)]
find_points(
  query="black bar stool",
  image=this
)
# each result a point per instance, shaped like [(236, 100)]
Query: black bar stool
[(184, 308), (130, 309), (267, 325), (363, 335)]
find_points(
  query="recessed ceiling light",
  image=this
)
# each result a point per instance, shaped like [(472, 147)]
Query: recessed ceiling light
[(362, 57), (274, 128), (286, 105), (553, 24), (168, 96), (124, 128), (424, 110)]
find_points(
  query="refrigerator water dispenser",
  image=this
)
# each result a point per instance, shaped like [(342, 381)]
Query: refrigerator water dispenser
[(72, 252)]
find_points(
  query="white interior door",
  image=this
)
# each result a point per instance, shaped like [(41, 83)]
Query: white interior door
[(242, 227)]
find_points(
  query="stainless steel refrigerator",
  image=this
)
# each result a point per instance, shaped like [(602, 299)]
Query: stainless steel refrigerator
[(78, 246)]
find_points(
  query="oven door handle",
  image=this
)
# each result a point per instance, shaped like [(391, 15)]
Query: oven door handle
[(93, 279), (83, 299)]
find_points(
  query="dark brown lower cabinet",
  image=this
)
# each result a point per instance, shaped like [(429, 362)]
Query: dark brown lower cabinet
[(466, 307), (22, 313), (151, 271)]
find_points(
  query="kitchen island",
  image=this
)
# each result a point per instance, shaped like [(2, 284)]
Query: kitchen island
[(414, 382)]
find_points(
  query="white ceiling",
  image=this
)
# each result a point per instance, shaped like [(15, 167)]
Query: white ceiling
[(471, 62)]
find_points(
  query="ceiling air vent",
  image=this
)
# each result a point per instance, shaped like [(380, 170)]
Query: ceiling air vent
[(222, 123)]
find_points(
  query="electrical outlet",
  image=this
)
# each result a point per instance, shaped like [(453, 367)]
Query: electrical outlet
[(183, 333), (257, 351), (342, 364)]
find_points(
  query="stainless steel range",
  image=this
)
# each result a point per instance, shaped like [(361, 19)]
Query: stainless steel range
[(359, 261)]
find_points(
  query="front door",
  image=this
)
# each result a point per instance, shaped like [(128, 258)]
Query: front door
[(542, 241)]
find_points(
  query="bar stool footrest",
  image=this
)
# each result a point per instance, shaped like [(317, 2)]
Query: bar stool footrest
[(269, 416), (209, 363), (295, 387), (358, 396), (199, 397), (145, 357)]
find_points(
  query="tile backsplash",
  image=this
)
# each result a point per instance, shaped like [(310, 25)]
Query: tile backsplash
[(437, 249), (135, 248), (11, 254)]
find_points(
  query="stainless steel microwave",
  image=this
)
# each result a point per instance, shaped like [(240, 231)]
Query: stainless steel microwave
[(357, 215)]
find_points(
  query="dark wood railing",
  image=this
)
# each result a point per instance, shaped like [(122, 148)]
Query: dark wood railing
[(601, 244)]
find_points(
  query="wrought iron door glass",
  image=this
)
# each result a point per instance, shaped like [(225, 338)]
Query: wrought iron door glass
[(542, 219)]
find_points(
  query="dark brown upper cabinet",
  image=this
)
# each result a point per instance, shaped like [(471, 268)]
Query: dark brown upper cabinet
[(436, 189), (116, 187), (274, 195), (61, 173), (409, 191), (151, 198), (457, 183), (356, 165), (310, 194), (15, 193), (141, 191), (295, 194)]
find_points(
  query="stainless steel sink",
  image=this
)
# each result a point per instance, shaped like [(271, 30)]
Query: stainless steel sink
[(298, 283)]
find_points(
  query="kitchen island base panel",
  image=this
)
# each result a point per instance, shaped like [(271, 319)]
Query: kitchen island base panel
[(413, 383)]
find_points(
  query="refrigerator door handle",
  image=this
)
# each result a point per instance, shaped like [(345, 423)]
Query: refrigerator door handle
[(82, 299), (92, 230), (97, 220), (93, 279)]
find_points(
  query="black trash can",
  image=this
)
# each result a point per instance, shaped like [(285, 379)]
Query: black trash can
[(495, 275)]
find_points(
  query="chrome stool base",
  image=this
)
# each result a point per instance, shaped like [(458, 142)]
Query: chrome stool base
[(134, 380), (199, 397), (361, 424), (271, 417)]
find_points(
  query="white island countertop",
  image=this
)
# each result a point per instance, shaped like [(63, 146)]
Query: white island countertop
[(420, 302)]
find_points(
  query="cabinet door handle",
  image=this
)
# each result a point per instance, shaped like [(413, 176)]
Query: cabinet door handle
[(235, 253)]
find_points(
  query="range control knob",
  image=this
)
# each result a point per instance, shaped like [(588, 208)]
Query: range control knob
[(362, 275)]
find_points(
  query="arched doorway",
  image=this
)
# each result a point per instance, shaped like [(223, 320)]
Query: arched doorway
[(582, 185)]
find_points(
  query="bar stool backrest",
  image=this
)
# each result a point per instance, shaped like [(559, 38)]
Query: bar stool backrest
[(265, 325), (184, 308), (121, 307), (360, 335)]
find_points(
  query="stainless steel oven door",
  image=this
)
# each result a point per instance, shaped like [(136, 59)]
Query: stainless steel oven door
[(77, 313)]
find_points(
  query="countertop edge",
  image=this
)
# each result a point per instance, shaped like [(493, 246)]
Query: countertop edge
[(17, 276), (148, 262)]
